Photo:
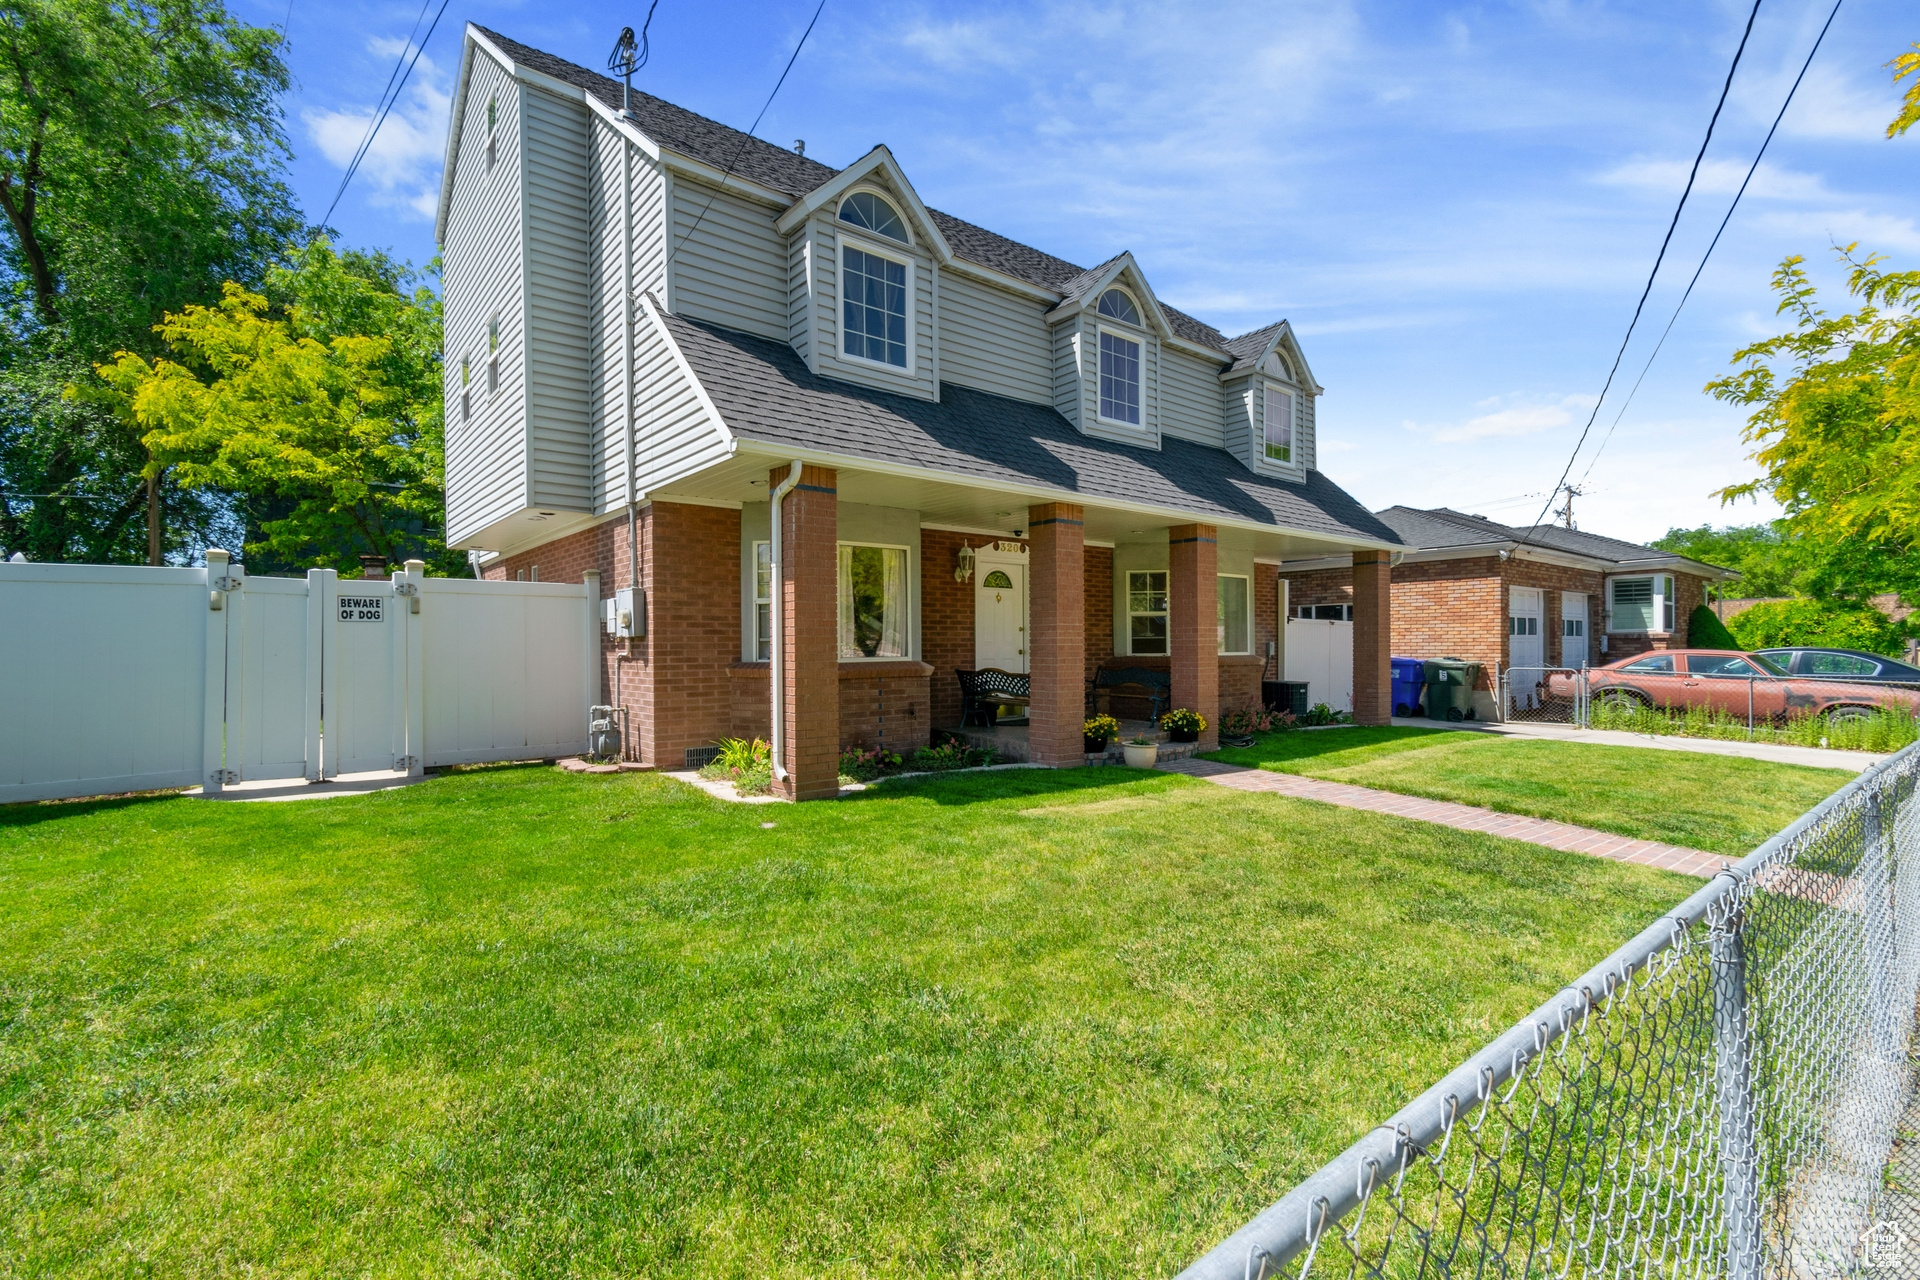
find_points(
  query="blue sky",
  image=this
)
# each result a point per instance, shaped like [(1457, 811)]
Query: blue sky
[(1456, 206)]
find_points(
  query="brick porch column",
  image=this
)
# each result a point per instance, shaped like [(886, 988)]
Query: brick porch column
[(810, 632), (1372, 637), (1193, 622), (1056, 633)]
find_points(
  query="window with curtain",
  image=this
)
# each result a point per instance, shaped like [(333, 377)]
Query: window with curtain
[(762, 601), (1279, 424), (1119, 378), (1234, 635), (874, 307), (873, 602), (1147, 611)]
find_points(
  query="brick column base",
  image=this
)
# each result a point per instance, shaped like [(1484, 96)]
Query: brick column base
[(810, 633), (1372, 637), (1193, 622), (1056, 633)]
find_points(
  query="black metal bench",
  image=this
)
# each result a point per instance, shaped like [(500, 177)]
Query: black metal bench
[(983, 690), (1155, 686)]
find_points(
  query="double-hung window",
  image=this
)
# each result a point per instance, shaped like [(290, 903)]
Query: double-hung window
[(873, 602), (762, 601), (874, 307), (1642, 603), (1147, 611), (1277, 439), (1233, 634), (1119, 378)]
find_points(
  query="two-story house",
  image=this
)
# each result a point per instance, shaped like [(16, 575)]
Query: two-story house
[(827, 446)]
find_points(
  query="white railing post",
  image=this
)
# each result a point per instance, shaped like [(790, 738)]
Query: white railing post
[(410, 602), (315, 708), (213, 725), (329, 608)]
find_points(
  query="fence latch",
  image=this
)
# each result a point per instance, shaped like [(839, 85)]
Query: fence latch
[(412, 592)]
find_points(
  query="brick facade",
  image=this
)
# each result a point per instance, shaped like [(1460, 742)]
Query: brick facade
[(1193, 620), (809, 629), (883, 705), (1372, 637), (1056, 632)]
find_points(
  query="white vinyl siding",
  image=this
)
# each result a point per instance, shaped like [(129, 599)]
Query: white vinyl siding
[(486, 455), (729, 267), (1192, 406), (1303, 431), (680, 435), (1076, 385), (994, 340), (554, 163)]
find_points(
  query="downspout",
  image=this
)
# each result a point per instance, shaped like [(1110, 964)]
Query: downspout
[(633, 496), (776, 628)]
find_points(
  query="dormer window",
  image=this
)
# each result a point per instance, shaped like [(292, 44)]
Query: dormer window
[(1119, 378), (1278, 431), (869, 212), (1116, 305)]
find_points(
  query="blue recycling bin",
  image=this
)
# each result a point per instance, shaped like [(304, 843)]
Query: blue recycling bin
[(1409, 677)]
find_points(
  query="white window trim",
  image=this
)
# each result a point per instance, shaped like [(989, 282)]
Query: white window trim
[(1248, 638), (1294, 465), (893, 202), (1103, 318), (1119, 330), (1127, 613), (1666, 604), (755, 600), (912, 606), (879, 247)]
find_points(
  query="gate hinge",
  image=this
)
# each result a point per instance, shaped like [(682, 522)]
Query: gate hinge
[(227, 583), (411, 592), (406, 764), (224, 777)]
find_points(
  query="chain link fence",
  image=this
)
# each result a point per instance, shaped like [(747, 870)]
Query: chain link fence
[(1719, 1097), (1543, 695)]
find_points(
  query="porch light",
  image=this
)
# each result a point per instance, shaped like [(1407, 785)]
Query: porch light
[(965, 571)]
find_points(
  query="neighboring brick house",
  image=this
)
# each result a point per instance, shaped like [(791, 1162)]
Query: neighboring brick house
[(825, 446), (1544, 596)]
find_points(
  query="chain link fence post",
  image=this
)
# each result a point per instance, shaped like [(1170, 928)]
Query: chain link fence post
[(1739, 1114)]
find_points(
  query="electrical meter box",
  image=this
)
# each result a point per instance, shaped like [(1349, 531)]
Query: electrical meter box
[(626, 613)]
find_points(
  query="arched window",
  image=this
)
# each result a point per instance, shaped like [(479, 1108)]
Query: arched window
[(867, 210), (1116, 305), (998, 581)]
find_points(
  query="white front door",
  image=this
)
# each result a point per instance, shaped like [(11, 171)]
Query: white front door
[(1573, 629), (1000, 616)]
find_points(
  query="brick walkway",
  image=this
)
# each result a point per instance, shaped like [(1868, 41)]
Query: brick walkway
[(1554, 835)]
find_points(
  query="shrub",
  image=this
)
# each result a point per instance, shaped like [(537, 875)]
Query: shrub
[(1833, 624), (863, 765), (1706, 631), (1321, 714), (951, 754), (1183, 719), (1242, 721)]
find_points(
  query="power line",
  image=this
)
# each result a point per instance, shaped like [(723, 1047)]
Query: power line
[(388, 97), (1658, 259), (1716, 240), (748, 136)]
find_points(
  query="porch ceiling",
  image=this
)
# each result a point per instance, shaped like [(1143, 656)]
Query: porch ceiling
[(743, 479)]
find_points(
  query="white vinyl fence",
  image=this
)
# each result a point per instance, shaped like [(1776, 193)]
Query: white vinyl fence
[(120, 678), (1319, 653)]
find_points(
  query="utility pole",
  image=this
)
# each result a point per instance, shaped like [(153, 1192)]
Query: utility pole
[(1566, 512)]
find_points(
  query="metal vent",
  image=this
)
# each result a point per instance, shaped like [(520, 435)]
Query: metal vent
[(700, 757)]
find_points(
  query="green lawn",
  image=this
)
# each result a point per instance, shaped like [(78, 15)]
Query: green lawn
[(1720, 803), (517, 1022)]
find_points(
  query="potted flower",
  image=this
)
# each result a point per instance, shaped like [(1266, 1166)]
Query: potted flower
[(1184, 725), (1097, 732), (1141, 753)]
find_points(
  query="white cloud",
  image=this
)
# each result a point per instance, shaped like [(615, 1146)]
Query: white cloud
[(1509, 417), (1717, 177), (1831, 104), (401, 169)]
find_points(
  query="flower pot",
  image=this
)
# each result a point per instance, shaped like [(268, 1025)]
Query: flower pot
[(1142, 757), (1095, 746), (1183, 735)]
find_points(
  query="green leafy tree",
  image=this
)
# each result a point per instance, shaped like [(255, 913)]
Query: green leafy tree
[(1836, 416), (319, 399), (1907, 64), (140, 157), (1831, 624), (1761, 554)]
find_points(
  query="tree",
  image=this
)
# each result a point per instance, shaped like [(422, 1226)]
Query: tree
[(1761, 554), (140, 157), (1830, 624), (1837, 417), (319, 398), (1907, 64)]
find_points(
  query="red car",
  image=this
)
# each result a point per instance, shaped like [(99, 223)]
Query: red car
[(1723, 680)]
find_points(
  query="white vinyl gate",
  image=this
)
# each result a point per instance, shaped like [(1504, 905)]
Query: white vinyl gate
[(126, 679), (1319, 653)]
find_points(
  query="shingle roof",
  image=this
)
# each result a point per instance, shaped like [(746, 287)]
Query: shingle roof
[(1249, 347), (713, 143), (765, 392), (1439, 528)]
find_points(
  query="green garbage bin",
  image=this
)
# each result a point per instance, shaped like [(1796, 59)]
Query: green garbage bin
[(1450, 683)]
